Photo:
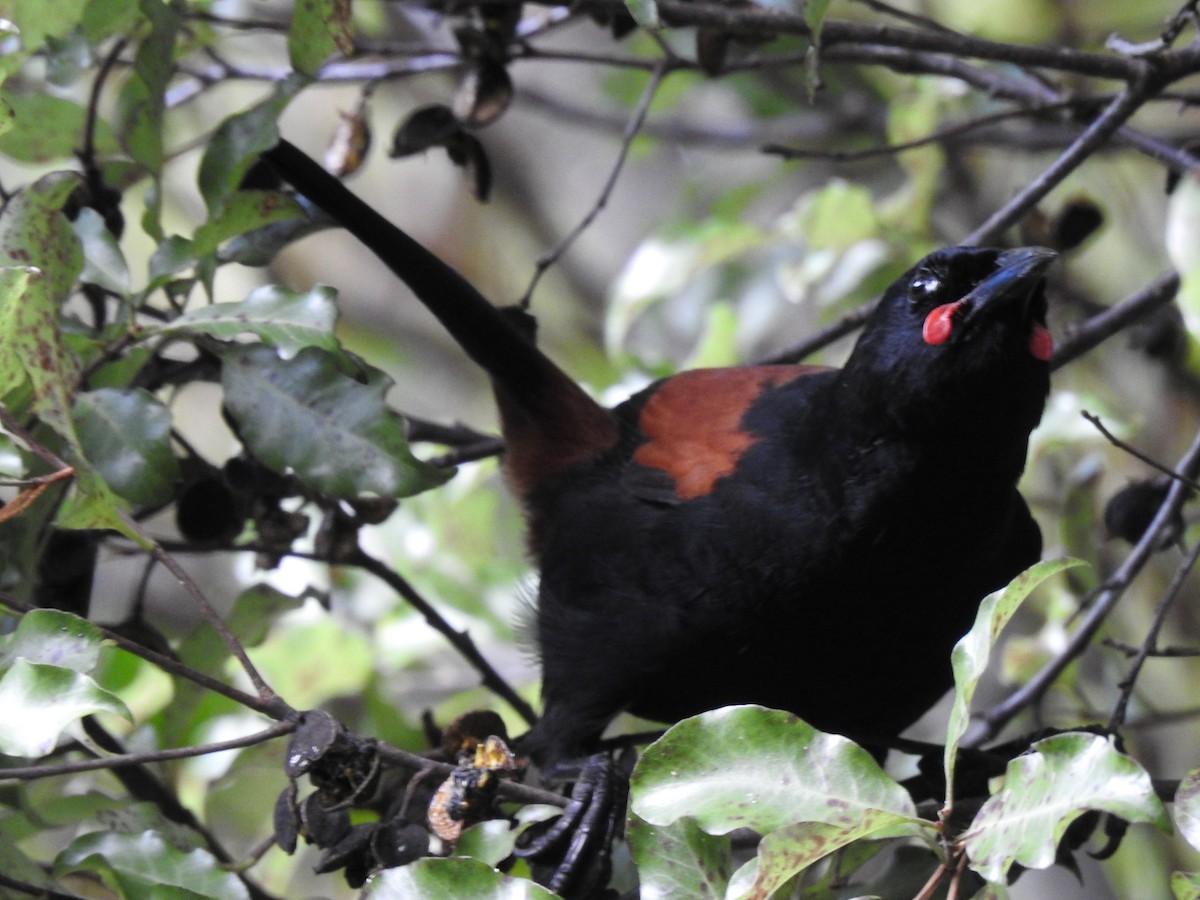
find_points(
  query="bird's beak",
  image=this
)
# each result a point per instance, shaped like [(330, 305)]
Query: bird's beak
[(1017, 272)]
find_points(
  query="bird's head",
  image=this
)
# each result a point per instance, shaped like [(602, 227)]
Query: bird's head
[(965, 324)]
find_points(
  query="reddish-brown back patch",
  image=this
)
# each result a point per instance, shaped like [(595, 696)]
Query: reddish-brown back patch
[(693, 423)]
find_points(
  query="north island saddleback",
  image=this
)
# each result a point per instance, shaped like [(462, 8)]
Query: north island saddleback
[(809, 539)]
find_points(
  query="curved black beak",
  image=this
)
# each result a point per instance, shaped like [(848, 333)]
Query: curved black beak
[(1017, 274)]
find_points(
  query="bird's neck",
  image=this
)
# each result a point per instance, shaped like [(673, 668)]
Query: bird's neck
[(966, 440)]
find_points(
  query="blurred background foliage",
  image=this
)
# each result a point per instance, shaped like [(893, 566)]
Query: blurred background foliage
[(758, 203)]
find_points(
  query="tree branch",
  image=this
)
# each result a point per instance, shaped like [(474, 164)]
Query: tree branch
[(167, 664), (636, 120), (1096, 134), (1150, 642), (32, 773), (460, 640), (1104, 325), (992, 720)]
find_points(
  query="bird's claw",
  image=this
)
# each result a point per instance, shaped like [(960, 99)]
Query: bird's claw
[(572, 855)]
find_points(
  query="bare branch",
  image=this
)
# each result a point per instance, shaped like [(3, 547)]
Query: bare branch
[(1150, 642), (1106, 600), (276, 703), (1096, 134), (1104, 325), (31, 773), (460, 640), (631, 131), (167, 664), (1138, 454), (937, 136)]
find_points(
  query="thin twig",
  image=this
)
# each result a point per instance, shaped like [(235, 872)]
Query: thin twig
[(1096, 134), (1138, 454), (36, 891), (631, 131), (468, 444), (996, 83), (934, 137), (1104, 325), (510, 790), (88, 152), (1106, 600), (279, 709), (278, 706), (1151, 639), (1158, 652), (905, 16), (30, 773), (166, 663), (460, 640), (847, 324)]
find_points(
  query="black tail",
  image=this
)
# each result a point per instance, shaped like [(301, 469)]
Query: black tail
[(549, 421), (477, 326)]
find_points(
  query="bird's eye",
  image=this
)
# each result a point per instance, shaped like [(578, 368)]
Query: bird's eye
[(923, 287)]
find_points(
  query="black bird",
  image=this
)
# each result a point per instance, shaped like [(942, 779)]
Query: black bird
[(809, 539)]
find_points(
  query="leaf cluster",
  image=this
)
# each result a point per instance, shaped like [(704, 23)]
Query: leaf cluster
[(166, 396)]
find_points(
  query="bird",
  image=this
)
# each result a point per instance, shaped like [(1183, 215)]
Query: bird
[(805, 538)]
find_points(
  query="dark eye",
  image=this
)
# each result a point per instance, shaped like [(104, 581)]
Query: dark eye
[(923, 288)]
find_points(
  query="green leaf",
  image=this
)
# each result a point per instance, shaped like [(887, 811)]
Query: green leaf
[(104, 18), (644, 12), (142, 101), (451, 879), (170, 257), (786, 852), (490, 842), (241, 212), (67, 60), (838, 216), (47, 128), (39, 20), (240, 140), (253, 614), (37, 701), (260, 246), (31, 350), (319, 29), (20, 867), (145, 867), (33, 232), (971, 654), (336, 434), (1045, 790), (127, 437), (1183, 225), (750, 767), (234, 804), (1185, 885), (14, 288), (6, 113), (285, 320), (103, 261), (679, 860), (1187, 807), (806, 792), (815, 13), (35, 235), (54, 638), (92, 504), (37, 345), (1182, 240), (294, 659)]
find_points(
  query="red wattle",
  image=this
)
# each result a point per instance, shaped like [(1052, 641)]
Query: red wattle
[(939, 323), (1041, 344)]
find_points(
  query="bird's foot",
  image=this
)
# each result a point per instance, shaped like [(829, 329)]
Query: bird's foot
[(572, 855)]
